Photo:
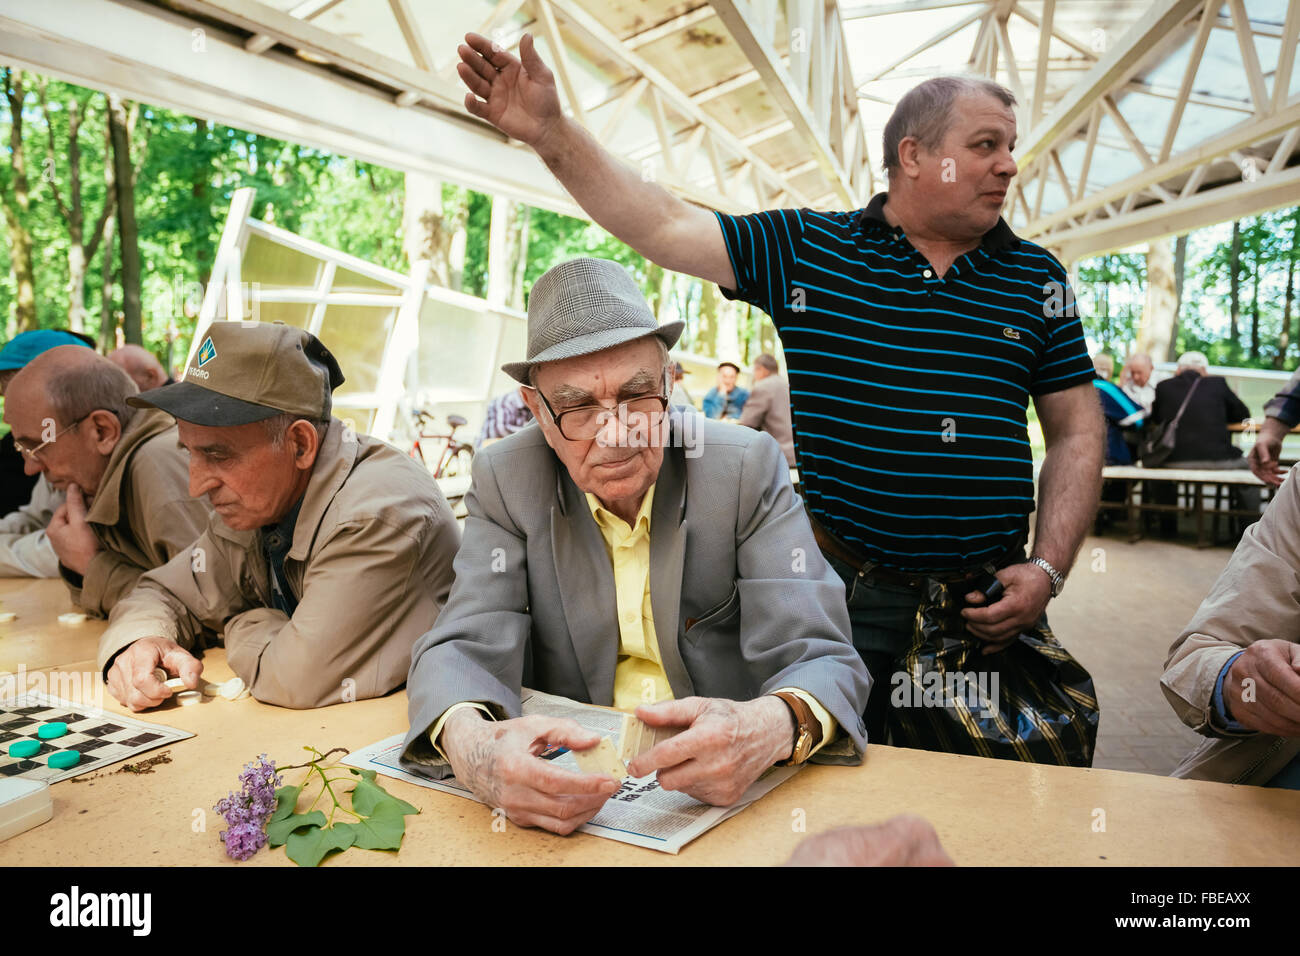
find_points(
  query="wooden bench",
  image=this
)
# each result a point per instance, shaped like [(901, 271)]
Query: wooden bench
[(1195, 483)]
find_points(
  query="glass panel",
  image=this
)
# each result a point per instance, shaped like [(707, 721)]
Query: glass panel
[(297, 314), (276, 266), (361, 418), (357, 334), (456, 349), (345, 280)]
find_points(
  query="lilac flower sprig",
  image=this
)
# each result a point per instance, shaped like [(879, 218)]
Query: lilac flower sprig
[(246, 812)]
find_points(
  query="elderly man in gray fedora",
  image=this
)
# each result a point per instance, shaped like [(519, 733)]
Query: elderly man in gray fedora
[(605, 562)]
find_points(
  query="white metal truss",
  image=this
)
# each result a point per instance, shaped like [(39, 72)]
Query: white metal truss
[(1181, 183), (814, 89)]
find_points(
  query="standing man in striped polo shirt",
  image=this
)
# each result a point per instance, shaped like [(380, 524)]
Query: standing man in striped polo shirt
[(916, 331)]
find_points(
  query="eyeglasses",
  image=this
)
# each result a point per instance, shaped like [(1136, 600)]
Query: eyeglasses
[(586, 421), (35, 453)]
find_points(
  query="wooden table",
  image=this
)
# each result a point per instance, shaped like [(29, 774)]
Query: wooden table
[(986, 811), (1197, 480), (35, 640)]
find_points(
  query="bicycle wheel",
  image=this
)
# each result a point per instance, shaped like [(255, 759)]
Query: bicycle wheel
[(459, 463)]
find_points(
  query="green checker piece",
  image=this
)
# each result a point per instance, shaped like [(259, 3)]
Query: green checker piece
[(63, 759), (55, 728), (24, 748)]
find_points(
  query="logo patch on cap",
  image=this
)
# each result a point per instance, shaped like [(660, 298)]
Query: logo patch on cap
[(207, 352)]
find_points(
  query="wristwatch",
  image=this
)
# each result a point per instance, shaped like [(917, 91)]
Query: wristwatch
[(1058, 579), (808, 729)]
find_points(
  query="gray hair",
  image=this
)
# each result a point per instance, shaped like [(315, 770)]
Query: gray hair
[(1196, 360), (768, 362), (925, 112), (84, 387), (277, 426)]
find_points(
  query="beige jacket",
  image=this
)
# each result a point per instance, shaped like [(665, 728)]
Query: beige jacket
[(1257, 597), (768, 410), (370, 563), (142, 514)]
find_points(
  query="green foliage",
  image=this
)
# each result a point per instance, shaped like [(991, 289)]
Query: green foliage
[(379, 818)]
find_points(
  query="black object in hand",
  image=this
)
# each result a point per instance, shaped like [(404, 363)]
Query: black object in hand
[(989, 586)]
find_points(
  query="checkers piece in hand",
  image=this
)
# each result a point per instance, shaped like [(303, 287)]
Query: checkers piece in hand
[(55, 728), (63, 759)]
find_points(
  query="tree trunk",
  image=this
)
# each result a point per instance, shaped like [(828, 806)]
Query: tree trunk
[(128, 235), (107, 321), (1161, 310), (1234, 281), (17, 208), (1254, 310), (1180, 272), (1284, 340), (523, 233)]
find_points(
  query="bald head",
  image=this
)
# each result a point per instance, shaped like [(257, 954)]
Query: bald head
[(138, 362), (70, 403)]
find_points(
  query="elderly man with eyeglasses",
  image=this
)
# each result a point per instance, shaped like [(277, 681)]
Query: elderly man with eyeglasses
[(605, 561), (128, 508)]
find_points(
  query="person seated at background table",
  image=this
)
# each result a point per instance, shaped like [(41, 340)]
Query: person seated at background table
[(1122, 415), (681, 395), (1103, 365), (141, 364), (726, 399), (328, 554), (1202, 439), (29, 499), (505, 415), (128, 507), (768, 406), (602, 565), (1281, 414), (1234, 673), (1135, 380)]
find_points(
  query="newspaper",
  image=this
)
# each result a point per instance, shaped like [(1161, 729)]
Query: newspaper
[(639, 813)]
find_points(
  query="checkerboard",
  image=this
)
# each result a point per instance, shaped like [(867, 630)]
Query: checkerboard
[(100, 737)]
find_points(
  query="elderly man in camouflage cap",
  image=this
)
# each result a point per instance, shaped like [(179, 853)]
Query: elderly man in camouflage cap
[(606, 562), (330, 552)]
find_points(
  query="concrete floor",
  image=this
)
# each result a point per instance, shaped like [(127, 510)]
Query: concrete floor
[(1122, 607)]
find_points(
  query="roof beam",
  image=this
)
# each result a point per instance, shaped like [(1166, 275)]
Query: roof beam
[(1189, 74), (921, 48), (1286, 56), (1249, 55), (1119, 65), (861, 11), (411, 33), (1040, 70), (307, 10), (675, 25), (671, 94)]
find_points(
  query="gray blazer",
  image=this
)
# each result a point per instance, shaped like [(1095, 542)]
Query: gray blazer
[(743, 601)]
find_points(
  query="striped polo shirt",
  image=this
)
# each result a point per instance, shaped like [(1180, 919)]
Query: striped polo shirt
[(909, 391)]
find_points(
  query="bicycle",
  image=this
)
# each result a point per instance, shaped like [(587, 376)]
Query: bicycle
[(456, 456)]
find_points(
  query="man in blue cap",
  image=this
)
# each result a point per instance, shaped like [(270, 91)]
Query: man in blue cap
[(27, 502)]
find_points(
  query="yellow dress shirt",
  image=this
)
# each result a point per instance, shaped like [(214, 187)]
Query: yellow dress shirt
[(639, 676)]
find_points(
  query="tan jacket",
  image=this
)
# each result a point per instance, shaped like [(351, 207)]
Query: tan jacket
[(142, 514), (768, 410), (1257, 597), (370, 563)]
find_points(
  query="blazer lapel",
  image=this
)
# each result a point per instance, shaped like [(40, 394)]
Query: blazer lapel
[(667, 561), (586, 582)]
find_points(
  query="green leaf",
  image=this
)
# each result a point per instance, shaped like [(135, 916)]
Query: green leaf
[(368, 774), (308, 847), (368, 796), (286, 799), (279, 831), (382, 830)]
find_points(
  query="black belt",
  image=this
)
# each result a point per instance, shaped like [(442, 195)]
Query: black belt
[(871, 570)]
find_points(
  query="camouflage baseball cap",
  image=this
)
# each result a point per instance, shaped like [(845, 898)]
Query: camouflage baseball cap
[(249, 372)]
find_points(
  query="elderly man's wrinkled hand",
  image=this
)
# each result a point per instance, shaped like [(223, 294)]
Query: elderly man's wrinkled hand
[(1266, 451), (1262, 689), (905, 840), (727, 745), (71, 536), (132, 681), (1026, 591), (498, 762)]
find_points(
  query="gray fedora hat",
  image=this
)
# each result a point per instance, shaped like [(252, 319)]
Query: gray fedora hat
[(584, 306)]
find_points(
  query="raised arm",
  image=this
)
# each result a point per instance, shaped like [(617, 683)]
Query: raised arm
[(517, 95)]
